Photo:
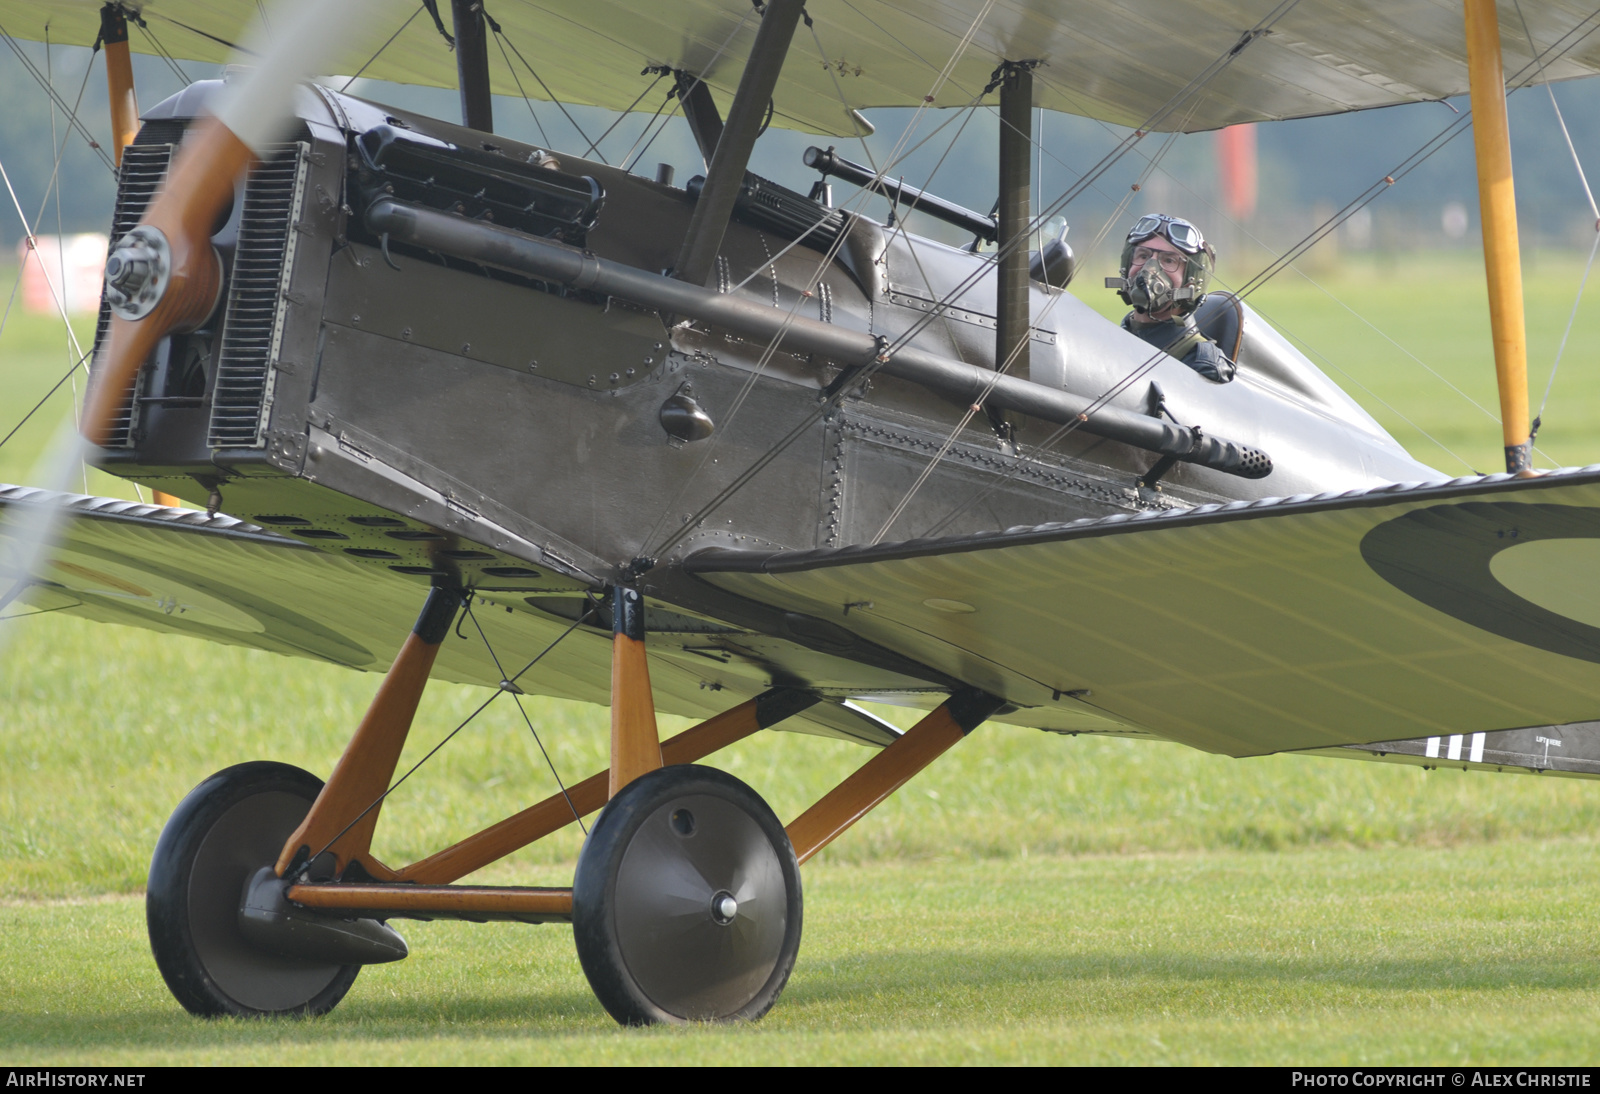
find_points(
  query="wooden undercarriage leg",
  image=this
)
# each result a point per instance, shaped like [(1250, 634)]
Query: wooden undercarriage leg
[(344, 815), (889, 770), (635, 741), (560, 810)]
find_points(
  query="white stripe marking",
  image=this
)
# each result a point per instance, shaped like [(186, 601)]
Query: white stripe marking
[(1454, 751), (1432, 751), (1477, 747)]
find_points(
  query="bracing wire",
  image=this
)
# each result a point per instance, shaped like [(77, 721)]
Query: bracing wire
[(33, 246), (1594, 211), (370, 60), (155, 44), (700, 78), (61, 255), (977, 403), (826, 404), (71, 112), (675, 102), (1407, 165), (1162, 113), (534, 114), (472, 615), (1127, 197), (379, 800), (498, 33), (594, 146), (44, 399)]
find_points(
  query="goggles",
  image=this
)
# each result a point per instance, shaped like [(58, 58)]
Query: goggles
[(1171, 261), (1180, 233)]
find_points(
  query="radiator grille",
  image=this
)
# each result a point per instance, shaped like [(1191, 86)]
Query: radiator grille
[(241, 394), (144, 166)]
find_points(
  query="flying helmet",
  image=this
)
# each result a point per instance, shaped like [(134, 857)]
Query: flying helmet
[(1153, 294)]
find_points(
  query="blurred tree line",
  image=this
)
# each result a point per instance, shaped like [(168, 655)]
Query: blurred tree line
[(1311, 164)]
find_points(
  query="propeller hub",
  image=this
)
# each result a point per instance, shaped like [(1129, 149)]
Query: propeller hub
[(138, 271)]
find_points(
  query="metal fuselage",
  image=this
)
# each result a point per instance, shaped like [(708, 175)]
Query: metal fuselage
[(453, 422)]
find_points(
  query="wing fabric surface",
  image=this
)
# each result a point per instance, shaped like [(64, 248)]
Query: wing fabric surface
[(180, 572), (1408, 611), (1116, 62)]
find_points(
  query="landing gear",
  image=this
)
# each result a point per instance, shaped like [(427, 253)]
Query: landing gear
[(686, 904), (222, 834)]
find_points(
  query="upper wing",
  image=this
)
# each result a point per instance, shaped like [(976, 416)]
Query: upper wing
[(1116, 62), (1407, 611), (216, 578)]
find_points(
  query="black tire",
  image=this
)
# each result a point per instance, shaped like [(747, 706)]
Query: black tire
[(656, 938), (228, 827)]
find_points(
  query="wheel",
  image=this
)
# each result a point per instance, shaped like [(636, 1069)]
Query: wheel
[(686, 903), (230, 826)]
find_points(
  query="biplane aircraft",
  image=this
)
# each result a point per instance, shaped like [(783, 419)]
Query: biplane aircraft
[(678, 437)]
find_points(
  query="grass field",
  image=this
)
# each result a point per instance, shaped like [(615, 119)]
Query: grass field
[(1030, 898)]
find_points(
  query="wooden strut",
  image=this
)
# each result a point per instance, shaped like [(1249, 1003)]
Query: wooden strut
[(1497, 203), (889, 770), (526, 905), (557, 811), (344, 815), (635, 741), (119, 80)]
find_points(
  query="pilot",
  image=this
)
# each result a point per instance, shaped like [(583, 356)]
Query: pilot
[(1166, 263)]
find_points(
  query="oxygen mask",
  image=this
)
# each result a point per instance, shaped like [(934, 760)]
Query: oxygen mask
[(1157, 283), (1151, 289)]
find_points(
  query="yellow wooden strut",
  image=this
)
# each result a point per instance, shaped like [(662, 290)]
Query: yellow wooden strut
[(1497, 200), (119, 79)]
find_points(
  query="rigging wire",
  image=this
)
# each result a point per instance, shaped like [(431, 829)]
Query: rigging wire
[(1004, 367), (235, 46), (1594, 211), (1409, 164), (45, 398), (61, 255), (472, 615), (699, 80), (830, 401), (375, 56), (543, 136), (379, 800), (594, 146), (37, 611), (33, 246), (1093, 248), (500, 34), (977, 403), (1276, 325), (672, 97), (160, 50), (50, 187), (1162, 113), (71, 113), (1538, 418)]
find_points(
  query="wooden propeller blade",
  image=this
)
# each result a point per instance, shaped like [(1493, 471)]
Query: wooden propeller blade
[(251, 114), (197, 190)]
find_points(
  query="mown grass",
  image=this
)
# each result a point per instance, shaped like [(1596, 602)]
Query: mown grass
[(1030, 898), (1479, 954)]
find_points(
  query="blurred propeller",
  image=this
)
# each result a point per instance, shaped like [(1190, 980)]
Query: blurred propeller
[(164, 276)]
